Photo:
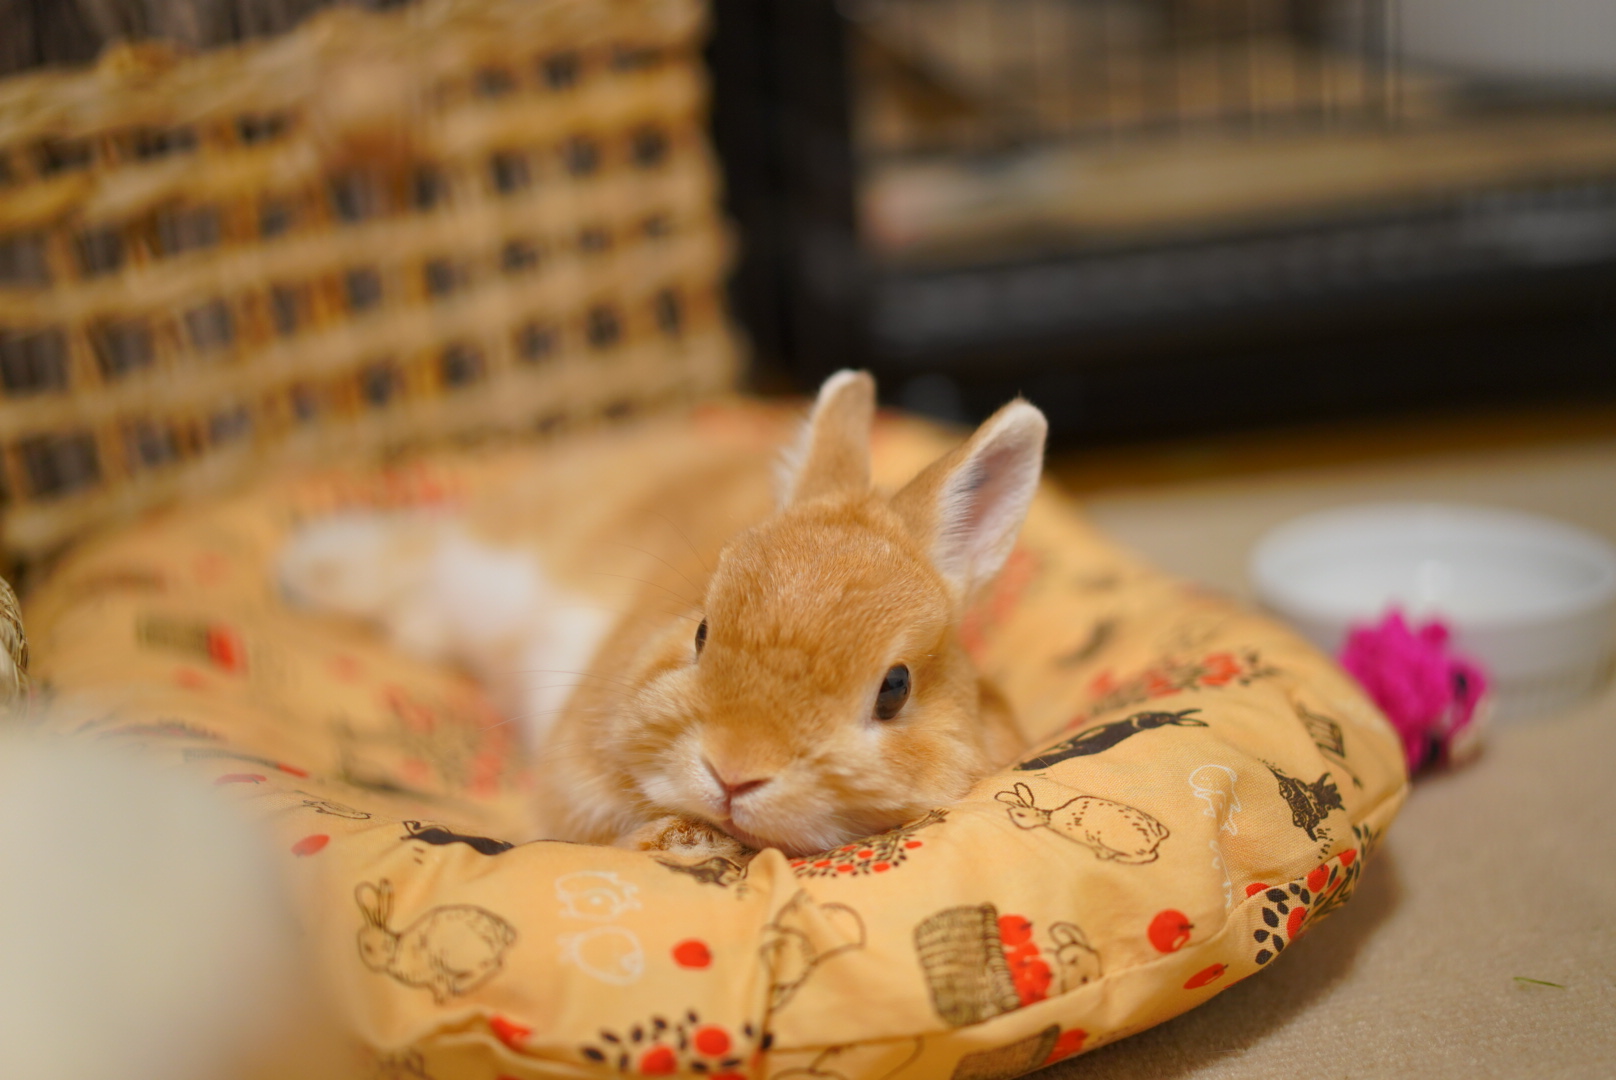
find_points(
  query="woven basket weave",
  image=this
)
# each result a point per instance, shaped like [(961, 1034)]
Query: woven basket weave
[(13, 651), (380, 230)]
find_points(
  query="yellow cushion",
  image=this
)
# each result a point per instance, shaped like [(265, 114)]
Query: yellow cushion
[(1205, 787)]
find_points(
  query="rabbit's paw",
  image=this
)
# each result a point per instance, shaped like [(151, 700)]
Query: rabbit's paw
[(680, 835)]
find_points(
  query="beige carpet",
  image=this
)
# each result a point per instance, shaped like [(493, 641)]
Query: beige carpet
[(1502, 870)]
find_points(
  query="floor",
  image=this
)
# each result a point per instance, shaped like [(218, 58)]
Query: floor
[(1495, 875)]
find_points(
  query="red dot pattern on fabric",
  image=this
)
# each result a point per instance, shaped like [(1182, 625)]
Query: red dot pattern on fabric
[(1256, 887), (1069, 1043), (226, 649), (1170, 930), (711, 1040), (1029, 972), (659, 1061), (1293, 924), (509, 1032), (692, 953), (1204, 976), (1014, 930), (1317, 878), (311, 845)]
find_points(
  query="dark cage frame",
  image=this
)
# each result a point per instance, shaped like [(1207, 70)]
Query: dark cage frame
[(1479, 293)]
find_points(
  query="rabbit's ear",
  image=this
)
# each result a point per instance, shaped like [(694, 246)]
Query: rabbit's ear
[(1012, 798), (833, 454), (1065, 933), (384, 902), (369, 901), (1025, 793), (967, 506)]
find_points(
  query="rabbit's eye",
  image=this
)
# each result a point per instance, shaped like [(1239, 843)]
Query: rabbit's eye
[(701, 636), (894, 692)]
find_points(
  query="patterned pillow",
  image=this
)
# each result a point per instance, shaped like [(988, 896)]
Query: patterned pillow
[(1204, 788)]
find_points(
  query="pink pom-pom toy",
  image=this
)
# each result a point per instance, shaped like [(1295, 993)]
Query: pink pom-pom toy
[(1430, 695)]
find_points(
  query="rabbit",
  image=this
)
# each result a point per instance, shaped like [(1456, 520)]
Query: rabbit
[(1075, 958), (802, 936), (1114, 830), (792, 677), (449, 950)]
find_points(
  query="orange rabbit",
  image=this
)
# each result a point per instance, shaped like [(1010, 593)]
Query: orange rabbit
[(815, 691)]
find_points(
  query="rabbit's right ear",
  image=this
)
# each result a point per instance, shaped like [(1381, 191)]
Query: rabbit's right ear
[(968, 506), (1025, 794), (833, 454), (384, 902), (1013, 798)]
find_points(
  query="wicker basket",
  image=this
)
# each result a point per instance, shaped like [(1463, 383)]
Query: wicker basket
[(380, 230), (13, 653)]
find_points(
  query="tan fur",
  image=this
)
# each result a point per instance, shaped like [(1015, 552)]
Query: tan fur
[(808, 605), (806, 611)]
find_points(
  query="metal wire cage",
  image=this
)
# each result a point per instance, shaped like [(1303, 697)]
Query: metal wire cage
[(1092, 199), (380, 230)]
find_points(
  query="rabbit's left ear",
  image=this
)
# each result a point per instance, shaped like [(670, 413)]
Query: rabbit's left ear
[(969, 504), (833, 454)]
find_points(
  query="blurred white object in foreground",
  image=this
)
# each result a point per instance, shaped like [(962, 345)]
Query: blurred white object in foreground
[(1532, 599), (142, 935)]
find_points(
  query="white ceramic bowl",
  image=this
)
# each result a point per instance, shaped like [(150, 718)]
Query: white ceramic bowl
[(1533, 600)]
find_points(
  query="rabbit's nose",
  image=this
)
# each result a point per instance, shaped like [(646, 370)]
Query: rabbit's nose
[(732, 788), (735, 790)]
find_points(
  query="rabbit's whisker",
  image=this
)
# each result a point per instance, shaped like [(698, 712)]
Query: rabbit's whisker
[(652, 584), (693, 549), (626, 683), (664, 562)]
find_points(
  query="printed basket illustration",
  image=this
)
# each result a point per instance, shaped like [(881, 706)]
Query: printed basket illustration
[(960, 951), (1201, 788), (462, 217)]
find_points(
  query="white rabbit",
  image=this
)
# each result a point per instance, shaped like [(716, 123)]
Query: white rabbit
[(1114, 830), (449, 950)]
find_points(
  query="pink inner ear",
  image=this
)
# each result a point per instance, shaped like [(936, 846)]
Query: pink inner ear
[(983, 507)]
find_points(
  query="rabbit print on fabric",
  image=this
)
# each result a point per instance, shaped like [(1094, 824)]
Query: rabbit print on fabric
[(1114, 830), (802, 936), (448, 950), (790, 673), (1093, 740)]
